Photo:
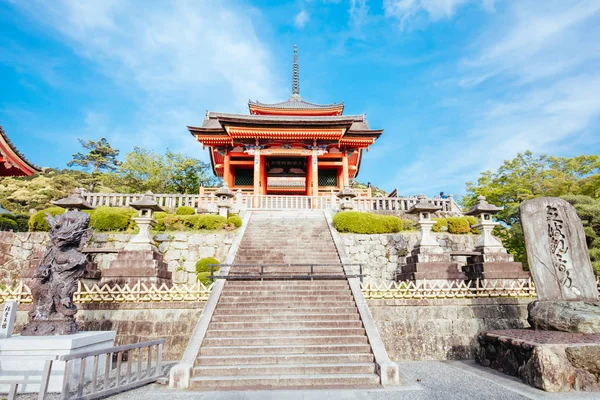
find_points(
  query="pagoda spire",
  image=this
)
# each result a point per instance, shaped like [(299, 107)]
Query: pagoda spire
[(295, 78)]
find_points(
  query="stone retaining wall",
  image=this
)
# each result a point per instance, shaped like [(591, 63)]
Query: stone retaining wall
[(443, 329), (381, 254), (137, 322), (21, 251)]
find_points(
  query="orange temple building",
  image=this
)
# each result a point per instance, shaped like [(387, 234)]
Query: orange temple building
[(293, 147), (12, 162)]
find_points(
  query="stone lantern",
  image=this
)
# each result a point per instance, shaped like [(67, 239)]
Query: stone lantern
[(146, 207), (491, 260), (224, 202), (483, 211), (346, 196), (424, 209), (74, 201)]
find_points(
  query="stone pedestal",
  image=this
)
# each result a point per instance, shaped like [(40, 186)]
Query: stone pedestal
[(132, 266), (549, 360), (23, 357), (493, 265), (430, 266)]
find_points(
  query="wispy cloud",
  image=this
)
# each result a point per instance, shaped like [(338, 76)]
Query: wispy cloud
[(406, 11), (359, 12), (301, 19), (174, 59), (534, 86)]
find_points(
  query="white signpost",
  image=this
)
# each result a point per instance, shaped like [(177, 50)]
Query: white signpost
[(7, 323)]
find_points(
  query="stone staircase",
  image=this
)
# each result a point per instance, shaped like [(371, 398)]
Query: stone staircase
[(286, 333)]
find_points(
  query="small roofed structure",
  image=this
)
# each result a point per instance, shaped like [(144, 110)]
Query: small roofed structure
[(74, 201), (423, 208), (12, 162), (146, 205), (483, 210)]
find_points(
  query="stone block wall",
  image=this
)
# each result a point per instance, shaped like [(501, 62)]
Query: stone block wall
[(21, 251), (137, 322), (443, 329), (381, 254)]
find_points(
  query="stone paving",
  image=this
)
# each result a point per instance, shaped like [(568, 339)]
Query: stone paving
[(426, 380)]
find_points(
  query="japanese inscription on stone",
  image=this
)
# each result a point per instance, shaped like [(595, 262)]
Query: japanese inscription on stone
[(9, 311), (557, 251)]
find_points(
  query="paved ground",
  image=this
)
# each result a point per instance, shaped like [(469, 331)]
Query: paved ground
[(430, 380)]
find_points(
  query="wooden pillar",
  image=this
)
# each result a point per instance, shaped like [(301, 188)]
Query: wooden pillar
[(308, 186), (345, 177), (263, 175), (315, 172), (257, 171), (227, 170)]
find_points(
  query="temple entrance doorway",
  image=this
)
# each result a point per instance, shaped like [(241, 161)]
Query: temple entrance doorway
[(286, 175)]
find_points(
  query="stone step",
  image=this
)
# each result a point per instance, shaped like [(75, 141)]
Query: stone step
[(253, 302), (227, 292), (270, 285), (287, 324), (286, 359), (288, 381), (286, 310), (278, 288), (351, 348), (285, 317), (282, 340), (284, 369), (281, 332)]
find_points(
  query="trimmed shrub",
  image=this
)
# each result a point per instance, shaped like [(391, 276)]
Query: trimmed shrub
[(458, 225), (234, 220), (7, 224), (111, 218), (440, 223), (193, 222), (203, 269), (185, 210), (210, 222), (37, 222), (160, 221), (366, 223)]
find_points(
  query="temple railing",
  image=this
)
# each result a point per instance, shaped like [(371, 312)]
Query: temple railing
[(244, 201), (151, 293)]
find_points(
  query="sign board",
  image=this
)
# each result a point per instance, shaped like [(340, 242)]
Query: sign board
[(7, 323)]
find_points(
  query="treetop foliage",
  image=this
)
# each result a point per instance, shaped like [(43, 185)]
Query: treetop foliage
[(101, 156)]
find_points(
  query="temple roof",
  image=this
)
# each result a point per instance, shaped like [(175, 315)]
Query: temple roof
[(15, 163), (295, 105)]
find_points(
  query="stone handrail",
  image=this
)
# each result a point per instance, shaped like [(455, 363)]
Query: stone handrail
[(272, 202)]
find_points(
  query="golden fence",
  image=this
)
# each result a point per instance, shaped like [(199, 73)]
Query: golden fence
[(148, 293)]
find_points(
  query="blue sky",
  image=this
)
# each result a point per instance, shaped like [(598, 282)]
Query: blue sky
[(458, 85)]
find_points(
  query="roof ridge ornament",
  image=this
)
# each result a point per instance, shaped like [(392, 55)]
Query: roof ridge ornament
[(295, 78)]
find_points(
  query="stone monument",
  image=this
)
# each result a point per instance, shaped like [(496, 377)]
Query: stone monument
[(493, 261), (428, 260), (140, 260), (224, 200), (52, 329), (561, 352), (346, 196)]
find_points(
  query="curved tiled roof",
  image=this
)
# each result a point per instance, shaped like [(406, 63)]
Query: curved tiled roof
[(11, 146), (295, 103)]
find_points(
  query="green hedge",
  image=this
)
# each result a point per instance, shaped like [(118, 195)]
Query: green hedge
[(234, 220), (7, 224), (203, 269), (37, 222), (105, 219), (455, 225), (185, 210), (367, 223), (191, 222)]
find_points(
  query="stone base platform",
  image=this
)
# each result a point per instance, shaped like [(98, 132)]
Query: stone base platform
[(133, 266), (494, 266), (23, 357), (549, 360)]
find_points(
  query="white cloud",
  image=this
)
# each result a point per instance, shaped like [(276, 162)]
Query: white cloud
[(408, 10), (533, 86), (301, 19), (173, 59), (359, 12)]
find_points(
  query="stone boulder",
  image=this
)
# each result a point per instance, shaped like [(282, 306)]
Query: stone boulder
[(565, 316)]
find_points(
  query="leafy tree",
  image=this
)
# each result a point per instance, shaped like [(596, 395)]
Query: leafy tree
[(526, 177), (145, 170), (100, 156)]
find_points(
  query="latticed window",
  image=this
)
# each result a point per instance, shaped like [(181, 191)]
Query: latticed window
[(328, 177), (244, 177)]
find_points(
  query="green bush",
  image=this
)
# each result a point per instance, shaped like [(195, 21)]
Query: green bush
[(439, 224), (7, 224), (456, 225), (37, 222), (366, 223), (160, 220), (203, 269), (111, 218), (193, 222), (185, 210), (234, 220)]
